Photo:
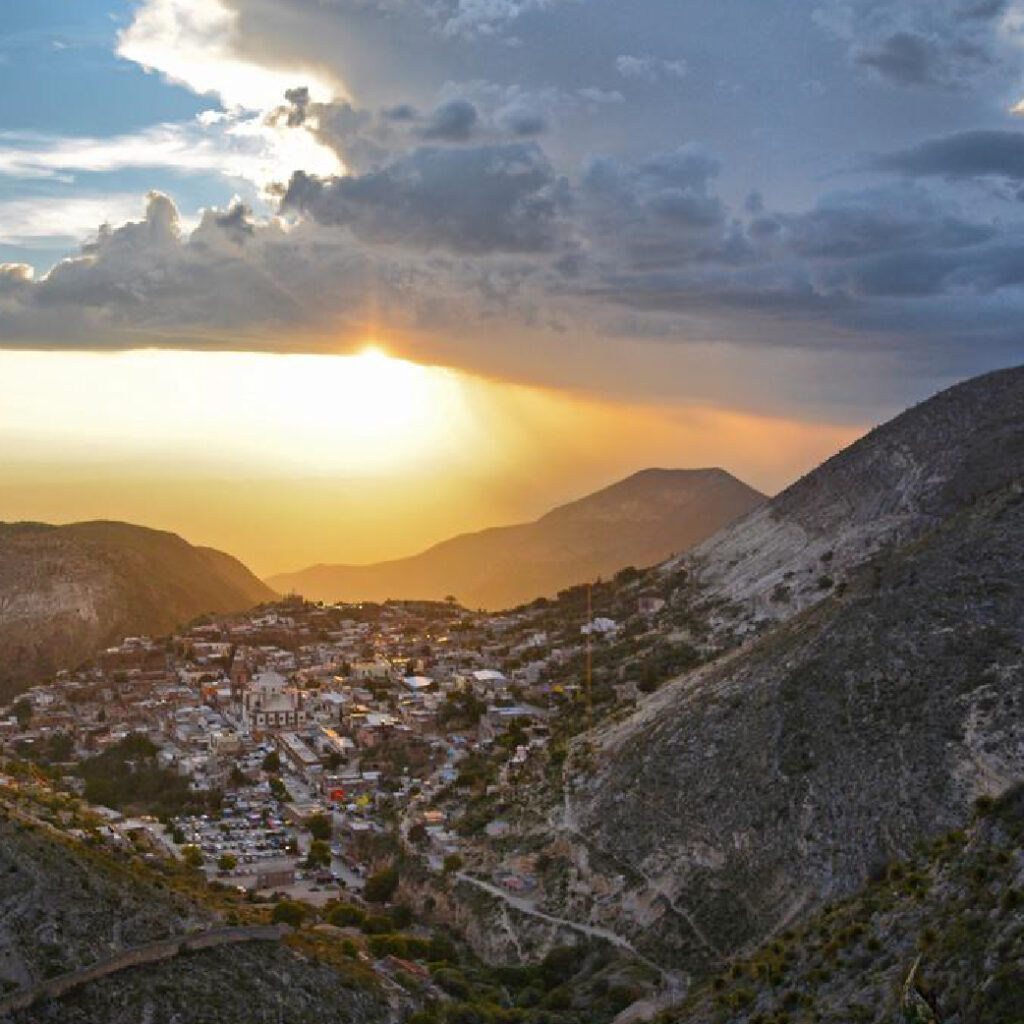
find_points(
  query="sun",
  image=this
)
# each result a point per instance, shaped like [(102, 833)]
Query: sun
[(373, 411)]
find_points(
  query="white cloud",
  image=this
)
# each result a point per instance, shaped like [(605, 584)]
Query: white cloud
[(650, 69), (74, 219), (482, 18), (235, 144), (196, 43)]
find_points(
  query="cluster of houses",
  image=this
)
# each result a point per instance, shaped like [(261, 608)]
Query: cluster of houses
[(357, 702)]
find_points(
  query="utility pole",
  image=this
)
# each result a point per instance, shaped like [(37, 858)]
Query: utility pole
[(590, 667)]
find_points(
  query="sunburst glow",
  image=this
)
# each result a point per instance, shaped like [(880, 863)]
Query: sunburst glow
[(316, 415)]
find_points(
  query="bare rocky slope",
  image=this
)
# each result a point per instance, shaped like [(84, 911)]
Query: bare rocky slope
[(937, 939), (68, 591), (875, 695), (65, 906), (639, 521)]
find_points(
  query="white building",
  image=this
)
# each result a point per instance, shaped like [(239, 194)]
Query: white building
[(269, 704)]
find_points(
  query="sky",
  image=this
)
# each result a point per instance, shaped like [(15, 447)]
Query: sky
[(328, 280)]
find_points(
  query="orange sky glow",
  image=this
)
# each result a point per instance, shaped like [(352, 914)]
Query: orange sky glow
[(289, 460)]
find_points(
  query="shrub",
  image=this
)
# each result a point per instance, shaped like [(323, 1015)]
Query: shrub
[(346, 915), (289, 912), (466, 1013), (377, 924), (402, 915), (453, 982)]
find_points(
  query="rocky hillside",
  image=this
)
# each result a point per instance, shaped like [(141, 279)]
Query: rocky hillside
[(937, 938), (67, 591), (639, 521), (889, 488), (873, 619), (69, 905)]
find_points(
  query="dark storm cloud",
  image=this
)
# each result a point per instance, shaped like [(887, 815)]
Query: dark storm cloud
[(982, 10), (906, 58), (946, 44), (522, 122), (454, 121), (511, 193), (851, 225), (473, 200), (964, 155)]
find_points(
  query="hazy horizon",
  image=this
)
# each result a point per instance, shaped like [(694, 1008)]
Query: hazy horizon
[(281, 495)]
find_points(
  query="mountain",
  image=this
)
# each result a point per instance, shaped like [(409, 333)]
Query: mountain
[(68, 591), (639, 521), (870, 693)]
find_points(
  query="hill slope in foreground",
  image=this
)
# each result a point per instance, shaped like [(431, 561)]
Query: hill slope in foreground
[(70, 906), (68, 591), (639, 521), (873, 616)]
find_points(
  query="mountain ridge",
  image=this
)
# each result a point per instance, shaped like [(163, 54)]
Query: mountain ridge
[(575, 541)]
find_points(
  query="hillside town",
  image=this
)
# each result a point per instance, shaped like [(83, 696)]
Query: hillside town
[(223, 743)]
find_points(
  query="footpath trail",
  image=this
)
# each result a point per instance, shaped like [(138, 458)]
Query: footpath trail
[(529, 907)]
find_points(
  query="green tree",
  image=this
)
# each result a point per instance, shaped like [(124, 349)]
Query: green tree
[(320, 826), (381, 885), (452, 863), (227, 862), (22, 711), (192, 856), (272, 762), (319, 854)]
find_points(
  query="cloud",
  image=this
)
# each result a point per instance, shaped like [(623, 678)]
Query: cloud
[(659, 211), (239, 146), (197, 43), (650, 69), (486, 18), (366, 140), (848, 225), (472, 200), (453, 121), (906, 58), (151, 281), (947, 44), (962, 156), (522, 121), (68, 219)]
